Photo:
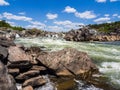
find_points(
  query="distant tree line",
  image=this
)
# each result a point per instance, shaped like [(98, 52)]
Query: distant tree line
[(3, 23), (107, 27)]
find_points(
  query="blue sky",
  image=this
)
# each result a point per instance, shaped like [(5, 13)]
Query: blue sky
[(58, 15)]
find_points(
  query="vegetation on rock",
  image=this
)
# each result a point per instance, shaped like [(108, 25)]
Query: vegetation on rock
[(3, 23), (113, 27)]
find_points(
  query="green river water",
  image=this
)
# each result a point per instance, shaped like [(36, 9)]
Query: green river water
[(106, 55)]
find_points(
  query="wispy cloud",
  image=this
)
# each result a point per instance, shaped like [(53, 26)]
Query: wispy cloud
[(68, 25), (11, 23), (101, 1), (102, 20), (114, 0), (22, 13), (3, 3), (11, 16)]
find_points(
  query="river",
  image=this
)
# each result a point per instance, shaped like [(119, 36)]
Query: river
[(106, 55)]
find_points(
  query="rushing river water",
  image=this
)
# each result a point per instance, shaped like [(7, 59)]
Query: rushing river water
[(106, 55)]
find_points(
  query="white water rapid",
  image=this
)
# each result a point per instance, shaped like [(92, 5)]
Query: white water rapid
[(106, 55)]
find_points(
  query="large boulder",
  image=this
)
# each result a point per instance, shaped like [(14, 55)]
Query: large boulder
[(16, 54), (6, 81), (68, 61), (18, 58)]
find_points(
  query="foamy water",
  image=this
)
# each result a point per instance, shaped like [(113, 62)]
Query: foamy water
[(105, 55)]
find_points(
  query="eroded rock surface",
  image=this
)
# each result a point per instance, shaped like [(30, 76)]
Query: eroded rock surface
[(68, 61)]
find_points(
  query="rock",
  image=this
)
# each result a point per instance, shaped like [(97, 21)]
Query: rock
[(68, 61), (22, 65), (39, 68), (6, 43), (14, 71), (3, 54), (16, 54), (28, 75), (82, 34), (28, 88), (36, 81), (6, 81)]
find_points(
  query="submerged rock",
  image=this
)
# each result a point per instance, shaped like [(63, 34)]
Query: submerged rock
[(68, 61)]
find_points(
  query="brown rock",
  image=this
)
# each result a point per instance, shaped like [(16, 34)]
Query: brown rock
[(40, 68), (20, 64), (6, 81), (6, 43), (36, 81), (28, 88), (14, 72), (16, 54), (68, 59), (27, 75), (3, 54)]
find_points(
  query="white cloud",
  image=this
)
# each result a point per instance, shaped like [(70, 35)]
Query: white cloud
[(69, 9), (102, 20), (22, 13), (54, 28), (3, 3), (11, 23), (68, 25), (100, 1), (1, 16), (15, 17), (106, 15), (114, 0), (51, 16), (115, 15), (86, 15), (118, 16), (35, 26), (36, 23)]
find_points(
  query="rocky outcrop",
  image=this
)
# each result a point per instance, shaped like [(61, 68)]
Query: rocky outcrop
[(82, 34), (105, 38), (68, 62), (87, 34)]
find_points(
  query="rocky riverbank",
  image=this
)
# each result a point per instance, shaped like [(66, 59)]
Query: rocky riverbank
[(28, 66), (87, 34), (82, 34)]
